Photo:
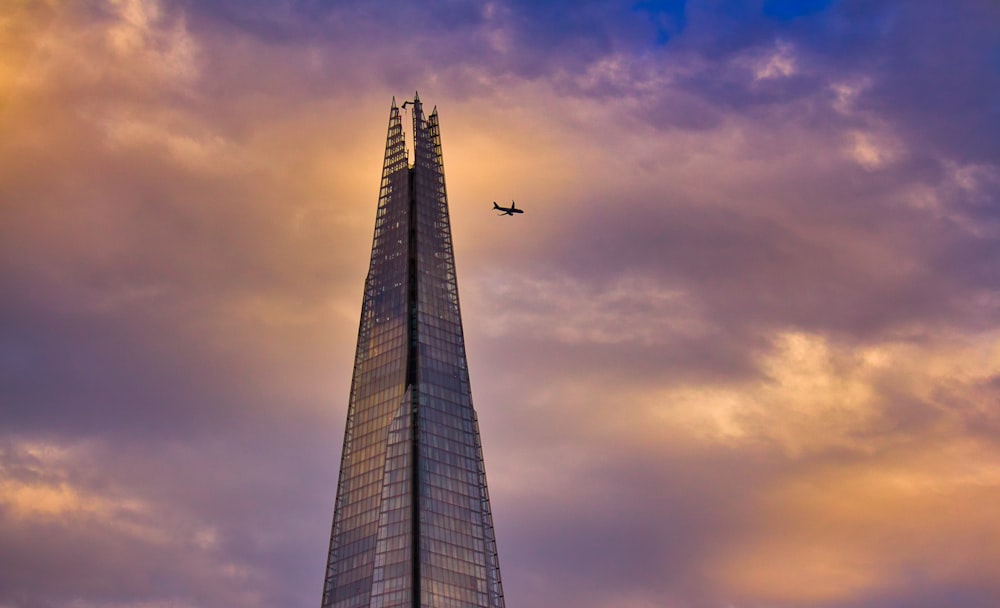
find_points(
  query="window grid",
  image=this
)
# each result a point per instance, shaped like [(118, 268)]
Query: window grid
[(372, 545)]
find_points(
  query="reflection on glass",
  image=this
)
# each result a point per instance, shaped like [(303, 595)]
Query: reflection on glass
[(412, 523)]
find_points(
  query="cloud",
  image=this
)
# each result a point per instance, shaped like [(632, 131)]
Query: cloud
[(127, 526), (740, 350), (809, 486)]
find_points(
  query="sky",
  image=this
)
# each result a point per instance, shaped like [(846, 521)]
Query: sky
[(742, 350)]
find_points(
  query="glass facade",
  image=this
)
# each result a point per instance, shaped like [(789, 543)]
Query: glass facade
[(412, 524)]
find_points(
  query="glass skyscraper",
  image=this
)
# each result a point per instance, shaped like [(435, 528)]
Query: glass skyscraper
[(412, 525)]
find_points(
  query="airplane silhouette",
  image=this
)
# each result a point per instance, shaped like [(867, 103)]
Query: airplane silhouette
[(507, 210)]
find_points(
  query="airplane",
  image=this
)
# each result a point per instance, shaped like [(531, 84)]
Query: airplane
[(507, 210)]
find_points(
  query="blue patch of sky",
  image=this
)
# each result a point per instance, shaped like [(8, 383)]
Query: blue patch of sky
[(787, 10), (667, 16)]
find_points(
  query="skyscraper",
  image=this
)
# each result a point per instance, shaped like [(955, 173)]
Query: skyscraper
[(412, 525)]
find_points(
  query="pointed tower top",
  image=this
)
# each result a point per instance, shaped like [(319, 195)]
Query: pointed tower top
[(407, 498), (394, 101), (416, 96)]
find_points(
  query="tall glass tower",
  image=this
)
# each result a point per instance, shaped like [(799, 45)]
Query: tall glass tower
[(412, 525)]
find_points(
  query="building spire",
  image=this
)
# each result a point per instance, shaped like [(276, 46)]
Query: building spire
[(412, 523)]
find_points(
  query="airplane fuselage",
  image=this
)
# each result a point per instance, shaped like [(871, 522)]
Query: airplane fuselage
[(507, 210)]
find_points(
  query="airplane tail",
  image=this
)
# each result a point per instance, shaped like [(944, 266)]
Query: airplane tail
[(495, 205)]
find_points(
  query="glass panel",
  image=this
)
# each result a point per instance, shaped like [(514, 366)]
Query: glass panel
[(377, 389), (411, 334), (457, 549)]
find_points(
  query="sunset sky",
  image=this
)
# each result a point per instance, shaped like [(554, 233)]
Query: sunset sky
[(741, 351)]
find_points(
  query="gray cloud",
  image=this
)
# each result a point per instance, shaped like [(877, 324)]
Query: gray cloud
[(752, 297)]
